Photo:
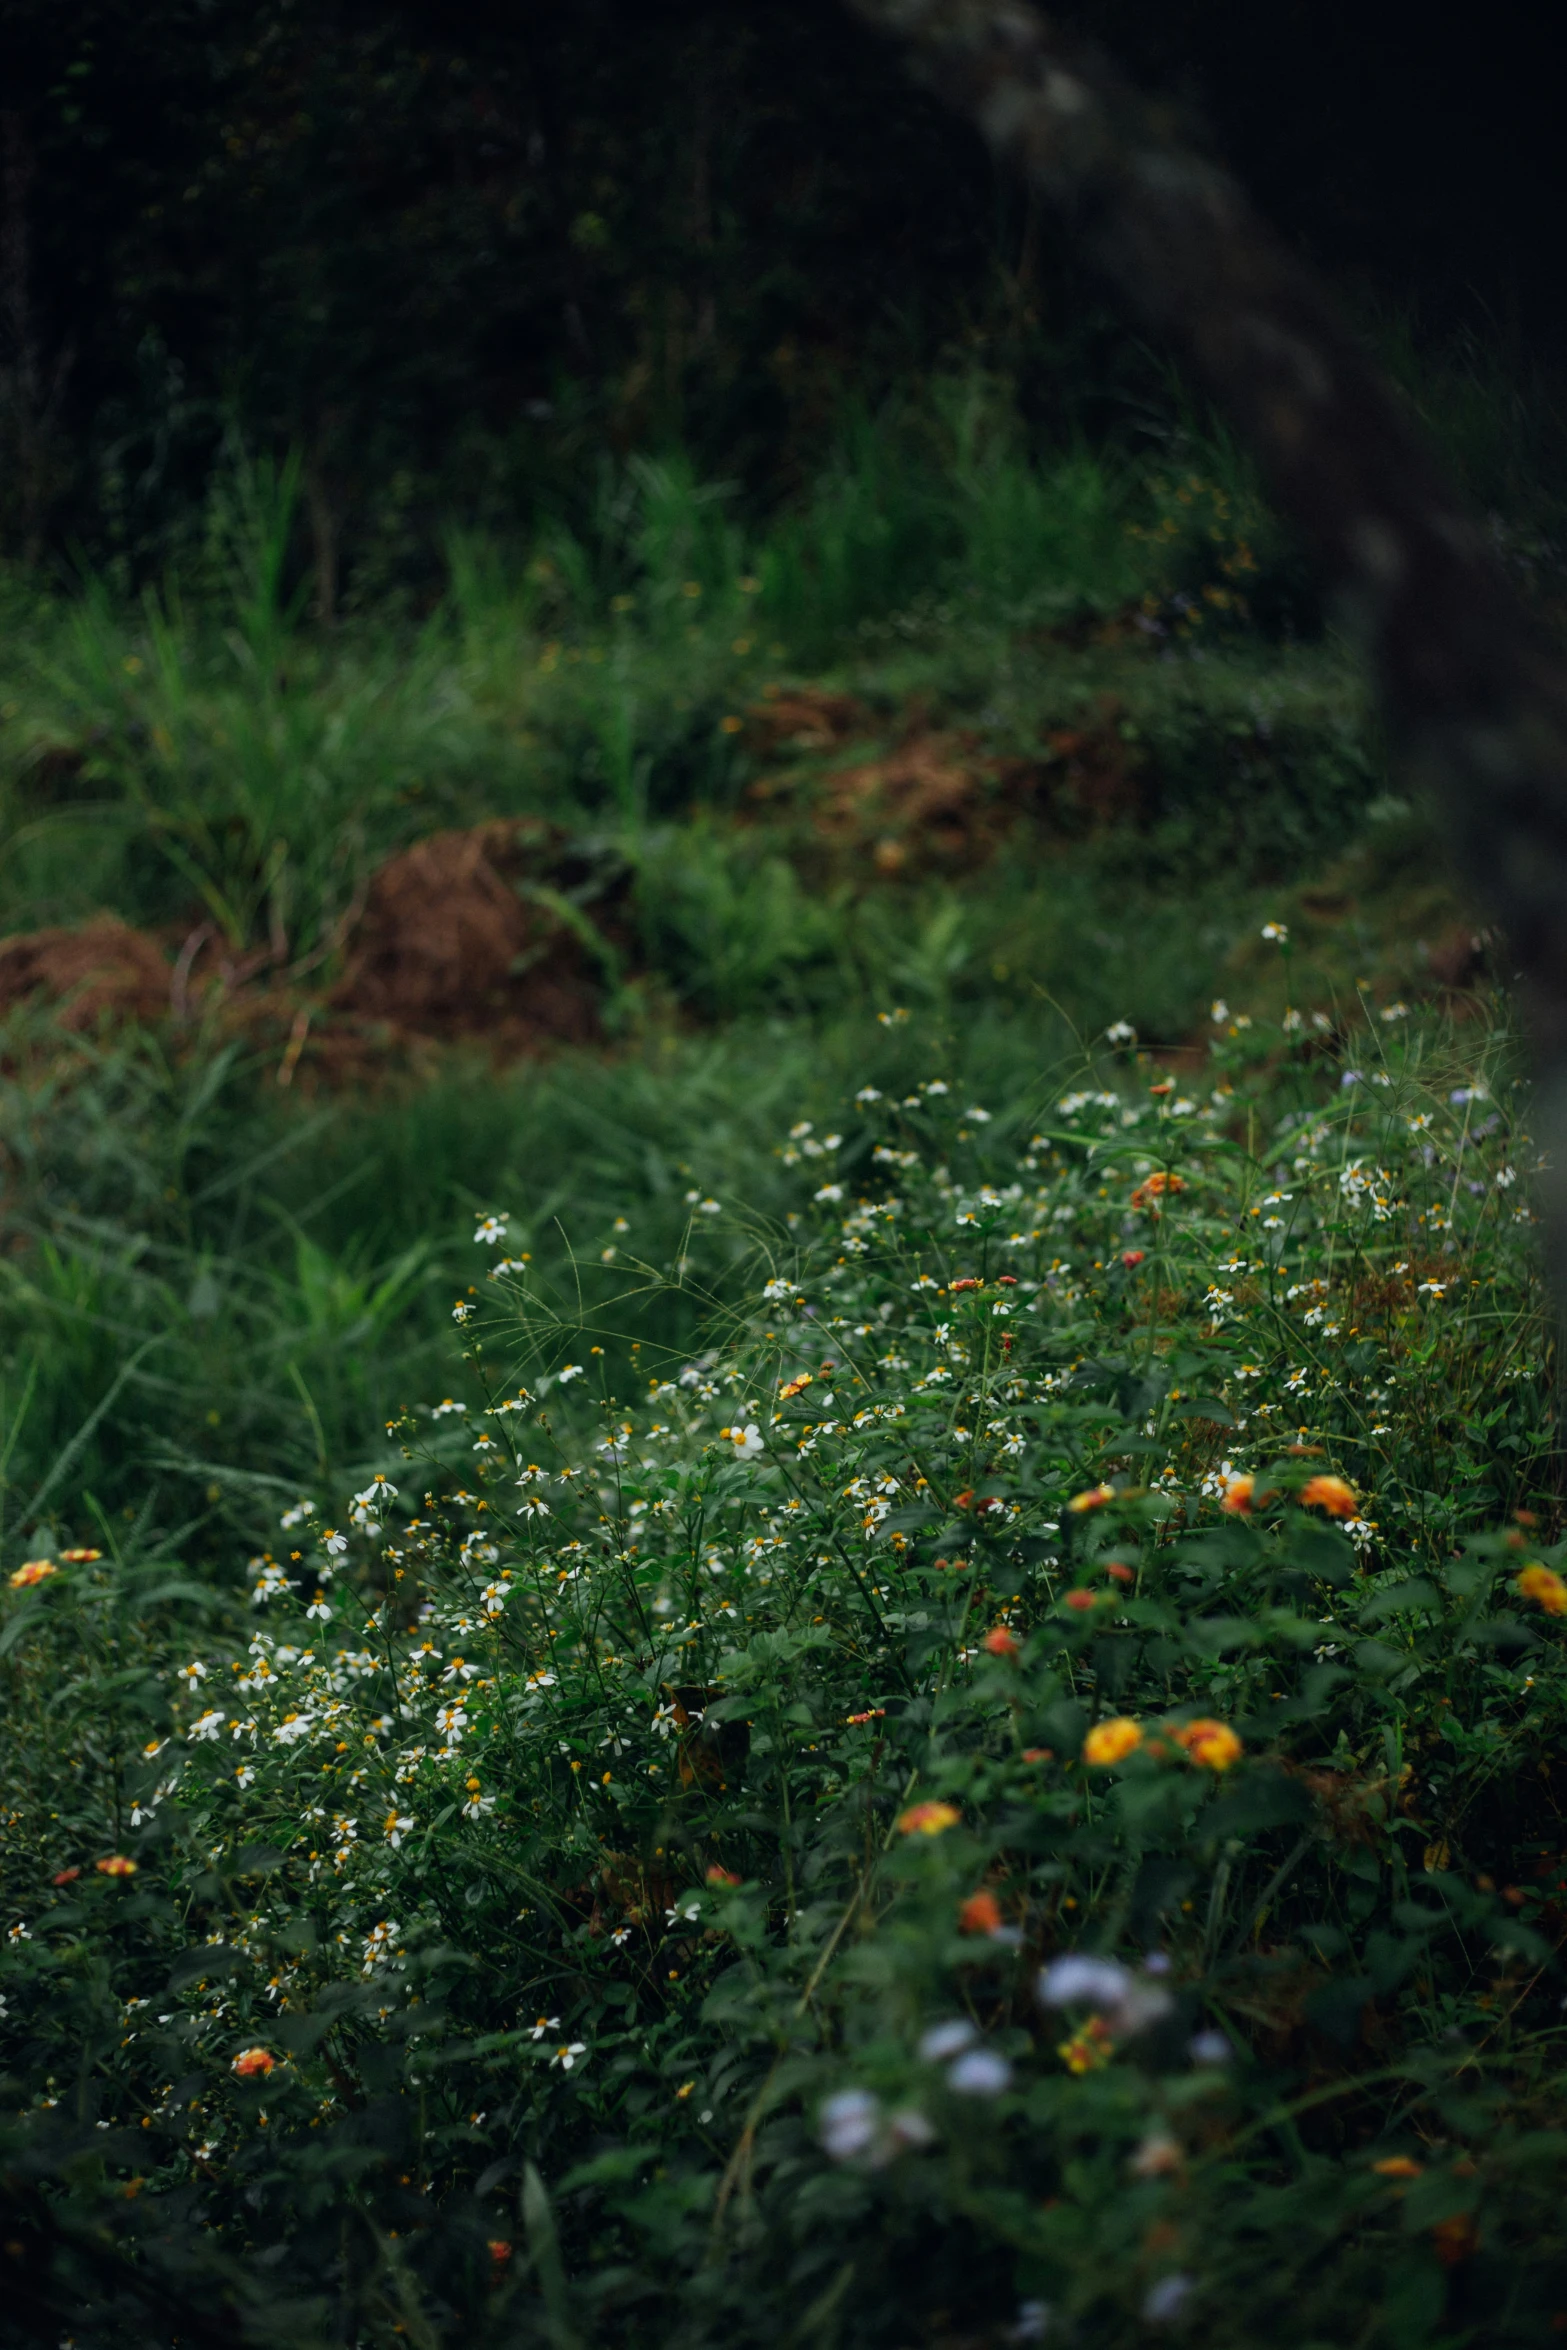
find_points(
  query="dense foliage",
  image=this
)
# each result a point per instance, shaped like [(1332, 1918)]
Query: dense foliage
[(451, 255), (1003, 1790), (205, 746)]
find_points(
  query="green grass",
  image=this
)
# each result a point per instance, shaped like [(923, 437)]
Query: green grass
[(223, 1286), (205, 754)]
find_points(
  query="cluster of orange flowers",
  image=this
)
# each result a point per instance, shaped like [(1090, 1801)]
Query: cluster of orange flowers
[(1212, 1745), (1333, 1494), (1242, 1495), (1157, 1186), (33, 1571)]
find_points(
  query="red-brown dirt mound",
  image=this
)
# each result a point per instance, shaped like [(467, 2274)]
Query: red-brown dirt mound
[(483, 932), (504, 934), (923, 796), (103, 971), (805, 718)]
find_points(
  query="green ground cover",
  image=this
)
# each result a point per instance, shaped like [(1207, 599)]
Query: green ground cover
[(648, 1822), (822, 1806)]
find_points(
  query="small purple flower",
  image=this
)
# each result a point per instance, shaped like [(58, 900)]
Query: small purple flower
[(1091, 1982), (1128, 2003), (848, 2123), (1164, 2302), (948, 2039), (980, 2073)]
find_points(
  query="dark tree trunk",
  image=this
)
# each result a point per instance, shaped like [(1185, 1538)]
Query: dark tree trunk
[(1476, 702)]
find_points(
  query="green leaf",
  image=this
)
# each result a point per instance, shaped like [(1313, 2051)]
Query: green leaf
[(1511, 1934), (258, 1860), (1217, 1635), (21, 1623), (1322, 1551), (1377, 1661), (181, 1587), (1396, 1599), (1500, 1632), (1263, 1798), (1338, 2007), (1204, 1407)]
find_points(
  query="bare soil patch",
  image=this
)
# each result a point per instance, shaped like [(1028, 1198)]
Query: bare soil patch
[(505, 934), (900, 795), (101, 971), (495, 931)]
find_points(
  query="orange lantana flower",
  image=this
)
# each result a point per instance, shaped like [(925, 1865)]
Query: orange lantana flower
[(1456, 2238), (928, 1819), (1094, 1499), (1330, 1494), (32, 1571), (1212, 1744), (794, 1386), (1545, 1588), (1157, 1186), (1239, 1496), (1001, 1642), (116, 1865), (980, 1914), (254, 2063), (1112, 1741)]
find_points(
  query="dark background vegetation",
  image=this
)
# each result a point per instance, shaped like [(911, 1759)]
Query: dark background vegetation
[(453, 253)]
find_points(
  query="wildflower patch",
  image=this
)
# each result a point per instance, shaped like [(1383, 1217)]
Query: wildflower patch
[(991, 1765)]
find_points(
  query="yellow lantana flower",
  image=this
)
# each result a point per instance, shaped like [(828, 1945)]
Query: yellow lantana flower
[(1112, 1741), (1538, 1583)]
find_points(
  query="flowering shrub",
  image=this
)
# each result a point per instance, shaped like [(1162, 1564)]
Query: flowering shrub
[(1014, 1792)]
